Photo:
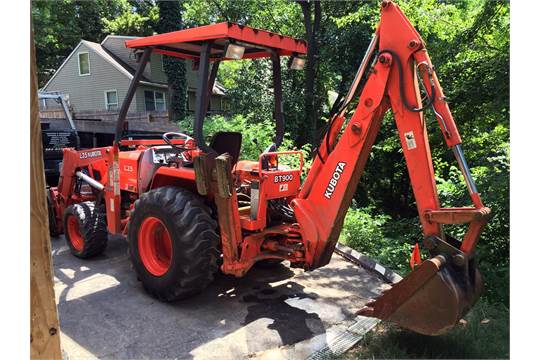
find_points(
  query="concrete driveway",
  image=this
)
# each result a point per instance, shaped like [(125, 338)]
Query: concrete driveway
[(271, 313)]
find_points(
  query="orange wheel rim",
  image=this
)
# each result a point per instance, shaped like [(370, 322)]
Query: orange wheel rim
[(155, 246), (74, 232)]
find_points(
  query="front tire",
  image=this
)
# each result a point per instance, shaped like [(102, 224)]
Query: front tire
[(173, 243), (85, 228)]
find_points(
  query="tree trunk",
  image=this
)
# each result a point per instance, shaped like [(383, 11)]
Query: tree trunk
[(312, 29), (170, 19)]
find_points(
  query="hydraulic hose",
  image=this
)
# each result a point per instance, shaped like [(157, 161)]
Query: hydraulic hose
[(346, 102), (409, 107), (350, 95)]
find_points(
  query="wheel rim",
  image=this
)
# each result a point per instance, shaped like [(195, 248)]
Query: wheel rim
[(74, 232), (155, 246)]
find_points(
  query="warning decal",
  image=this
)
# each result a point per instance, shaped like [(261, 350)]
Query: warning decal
[(409, 139)]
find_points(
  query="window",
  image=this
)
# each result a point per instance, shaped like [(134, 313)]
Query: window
[(149, 102), (160, 100), (154, 100), (84, 63), (111, 100)]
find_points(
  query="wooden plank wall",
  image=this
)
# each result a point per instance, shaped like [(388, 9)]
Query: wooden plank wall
[(44, 329)]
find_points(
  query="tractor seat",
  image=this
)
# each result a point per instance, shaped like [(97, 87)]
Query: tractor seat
[(227, 142)]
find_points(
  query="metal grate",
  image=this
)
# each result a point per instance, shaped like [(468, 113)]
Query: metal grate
[(344, 341), (354, 333)]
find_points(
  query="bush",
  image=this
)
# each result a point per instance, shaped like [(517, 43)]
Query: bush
[(492, 176), (256, 136), (484, 335), (368, 234)]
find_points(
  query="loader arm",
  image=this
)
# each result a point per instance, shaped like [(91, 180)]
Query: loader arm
[(320, 209)]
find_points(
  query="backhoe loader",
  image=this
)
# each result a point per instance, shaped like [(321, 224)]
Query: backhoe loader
[(189, 208)]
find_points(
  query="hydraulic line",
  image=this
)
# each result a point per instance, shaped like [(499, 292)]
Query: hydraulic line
[(350, 94), (359, 74), (356, 81), (409, 107)]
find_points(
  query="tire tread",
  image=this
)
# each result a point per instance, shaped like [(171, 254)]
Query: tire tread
[(93, 227), (197, 261)]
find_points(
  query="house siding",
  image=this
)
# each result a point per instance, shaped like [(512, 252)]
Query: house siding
[(116, 45), (191, 75), (153, 71), (156, 69), (191, 100), (88, 92)]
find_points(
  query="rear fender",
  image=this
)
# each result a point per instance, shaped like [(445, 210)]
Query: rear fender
[(170, 176)]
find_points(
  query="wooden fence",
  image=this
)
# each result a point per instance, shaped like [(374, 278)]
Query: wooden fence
[(105, 121)]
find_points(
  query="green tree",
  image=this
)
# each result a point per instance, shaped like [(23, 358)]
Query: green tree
[(52, 42), (60, 25), (248, 83), (136, 18)]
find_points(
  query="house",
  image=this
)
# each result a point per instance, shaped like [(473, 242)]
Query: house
[(96, 77)]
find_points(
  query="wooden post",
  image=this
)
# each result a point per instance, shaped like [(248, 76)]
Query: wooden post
[(44, 329)]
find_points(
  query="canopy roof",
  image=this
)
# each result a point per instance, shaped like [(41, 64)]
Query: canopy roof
[(187, 43)]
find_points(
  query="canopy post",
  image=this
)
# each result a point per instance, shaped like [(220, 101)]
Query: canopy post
[(129, 96), (201, 102), (211, 82), (278, 99)]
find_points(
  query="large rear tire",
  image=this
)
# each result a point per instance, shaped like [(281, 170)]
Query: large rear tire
[(173, 243), (85, 228)]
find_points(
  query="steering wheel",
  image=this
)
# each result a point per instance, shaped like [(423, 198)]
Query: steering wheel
[(167, 139)]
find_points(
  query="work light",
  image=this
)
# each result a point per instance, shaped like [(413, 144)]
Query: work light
[(235, 52), (296, 63)]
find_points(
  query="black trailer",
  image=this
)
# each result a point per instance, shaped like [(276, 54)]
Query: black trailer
[(56, 134)]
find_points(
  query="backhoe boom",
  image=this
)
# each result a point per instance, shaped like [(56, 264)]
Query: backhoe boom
[(320, 209)]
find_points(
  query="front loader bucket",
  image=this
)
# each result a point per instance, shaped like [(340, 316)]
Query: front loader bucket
[(432, 299)]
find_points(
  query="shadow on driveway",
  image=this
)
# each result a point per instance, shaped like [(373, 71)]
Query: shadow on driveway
[(104, 310)]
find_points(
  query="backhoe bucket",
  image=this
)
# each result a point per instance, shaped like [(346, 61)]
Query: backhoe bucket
[(432, 299)]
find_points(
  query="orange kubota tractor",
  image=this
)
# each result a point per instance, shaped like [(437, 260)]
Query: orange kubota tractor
[(188, 208)]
